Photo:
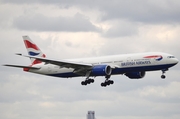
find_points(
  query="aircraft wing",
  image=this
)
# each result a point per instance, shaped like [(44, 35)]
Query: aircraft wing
[(63, 63), (19, 66)]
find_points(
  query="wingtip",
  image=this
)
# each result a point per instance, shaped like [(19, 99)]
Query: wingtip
[(19, 54), (5, 65)]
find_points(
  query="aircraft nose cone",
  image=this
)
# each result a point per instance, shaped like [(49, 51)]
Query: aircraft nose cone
[(176, 60)]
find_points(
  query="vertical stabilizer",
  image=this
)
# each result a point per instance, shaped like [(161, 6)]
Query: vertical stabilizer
[(33, 50)]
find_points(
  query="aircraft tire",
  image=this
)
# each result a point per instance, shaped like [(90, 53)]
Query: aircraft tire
[(111, 82), (88, 81), (84, 83), (92, 80), (103, 84), (107, 83), (163, 76)]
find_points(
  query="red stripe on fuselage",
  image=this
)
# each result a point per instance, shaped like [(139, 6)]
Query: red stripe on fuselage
[(30, 45), (153, 56)]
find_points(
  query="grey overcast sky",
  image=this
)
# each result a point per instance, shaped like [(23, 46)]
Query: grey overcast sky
[(84, 28)]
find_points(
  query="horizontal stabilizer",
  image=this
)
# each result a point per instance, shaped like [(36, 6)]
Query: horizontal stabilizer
[(19, 66)]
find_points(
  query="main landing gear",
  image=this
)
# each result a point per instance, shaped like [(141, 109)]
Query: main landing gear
[(88, 80), (163, 72), (107, 82)]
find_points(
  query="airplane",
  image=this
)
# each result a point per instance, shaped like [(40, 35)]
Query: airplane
[(134, 66)]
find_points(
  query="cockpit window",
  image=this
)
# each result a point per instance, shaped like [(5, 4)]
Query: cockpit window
[(170, 57)]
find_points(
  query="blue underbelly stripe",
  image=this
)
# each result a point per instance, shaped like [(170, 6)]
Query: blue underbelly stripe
[(119, 70)]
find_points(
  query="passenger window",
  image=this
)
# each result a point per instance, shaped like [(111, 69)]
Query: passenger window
[(170, 57)]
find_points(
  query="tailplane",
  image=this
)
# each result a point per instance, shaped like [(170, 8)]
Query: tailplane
[(33, 50)]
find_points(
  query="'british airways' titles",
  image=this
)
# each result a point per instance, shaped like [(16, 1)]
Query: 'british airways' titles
[(135, 63)]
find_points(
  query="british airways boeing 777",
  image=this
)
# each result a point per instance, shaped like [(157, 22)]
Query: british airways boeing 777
[(134, 66)]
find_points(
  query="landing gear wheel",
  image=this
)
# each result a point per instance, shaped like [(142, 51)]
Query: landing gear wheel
[(107, 83), (111, 82), (88, 81), (91, 80), (84, 83), (163, 72), (163, 76), (103, 84)]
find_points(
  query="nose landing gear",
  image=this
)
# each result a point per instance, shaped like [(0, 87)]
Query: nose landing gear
[(163, 76), (163, 72)]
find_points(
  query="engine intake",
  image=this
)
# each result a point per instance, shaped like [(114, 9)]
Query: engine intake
[(136, 75), (101, 70)]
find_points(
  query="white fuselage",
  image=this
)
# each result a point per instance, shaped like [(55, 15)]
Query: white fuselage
[(119, 63)]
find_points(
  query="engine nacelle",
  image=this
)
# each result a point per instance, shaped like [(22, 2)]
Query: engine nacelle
[(101, 70), (136, 75)]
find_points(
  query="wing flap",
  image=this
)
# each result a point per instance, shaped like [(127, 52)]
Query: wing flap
[(20, 66), (62, 63)]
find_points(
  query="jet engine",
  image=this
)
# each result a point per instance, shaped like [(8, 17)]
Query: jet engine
[(136, 75), (101, 70)]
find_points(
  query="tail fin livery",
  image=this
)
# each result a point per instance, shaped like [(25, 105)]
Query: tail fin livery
[(33, 50)]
